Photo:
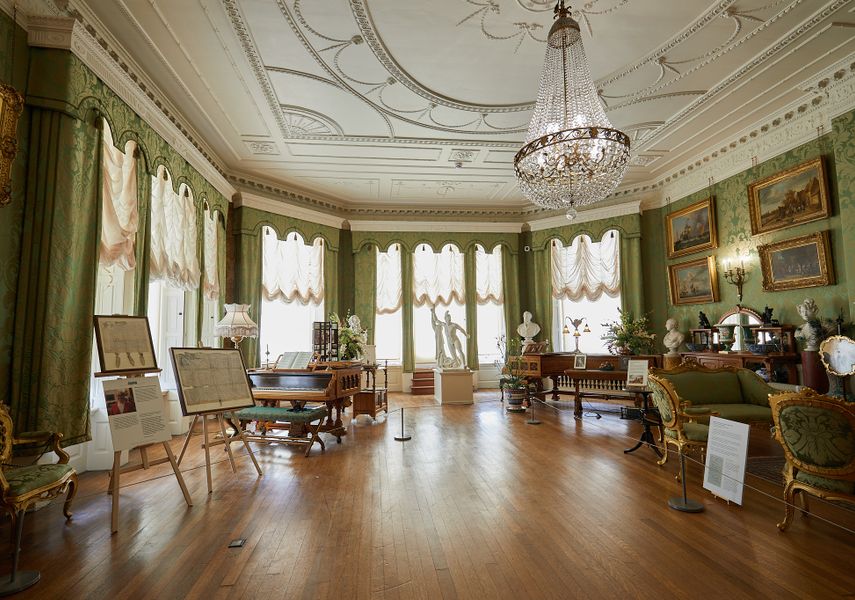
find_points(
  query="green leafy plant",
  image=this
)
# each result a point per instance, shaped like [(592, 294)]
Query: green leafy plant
[(351, 340), (511, 366), (628, 334)]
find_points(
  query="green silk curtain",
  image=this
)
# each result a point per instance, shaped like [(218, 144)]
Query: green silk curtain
[(471, 291), (543, 298), (365, 283), (631, 287), (56, 295), (142, 245), (407, 349), (247, 278), (330, 281), (511, 291)]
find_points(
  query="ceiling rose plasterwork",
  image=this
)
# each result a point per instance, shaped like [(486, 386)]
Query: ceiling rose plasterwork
[(307, 122)]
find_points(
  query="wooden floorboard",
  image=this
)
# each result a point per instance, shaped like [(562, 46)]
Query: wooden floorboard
[(477, 505)]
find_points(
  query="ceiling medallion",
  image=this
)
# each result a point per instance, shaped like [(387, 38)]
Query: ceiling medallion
[(572, 156)]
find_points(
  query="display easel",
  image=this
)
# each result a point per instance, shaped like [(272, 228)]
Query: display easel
[(117, 470), (227, 440)]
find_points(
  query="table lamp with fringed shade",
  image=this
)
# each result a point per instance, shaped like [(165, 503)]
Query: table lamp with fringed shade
[(236, 325)]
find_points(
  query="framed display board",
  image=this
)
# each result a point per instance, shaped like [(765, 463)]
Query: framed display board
[(124, 344), (210, 380)]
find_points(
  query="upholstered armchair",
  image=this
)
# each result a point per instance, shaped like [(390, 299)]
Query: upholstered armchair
[(679, 419), (818, 436), (22, 486)]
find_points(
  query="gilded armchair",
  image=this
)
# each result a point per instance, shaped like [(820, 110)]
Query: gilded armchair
[(818, 436), (679, 419), (22, 486)]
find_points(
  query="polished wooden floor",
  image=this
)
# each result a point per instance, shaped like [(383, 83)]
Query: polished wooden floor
[(477, 505)]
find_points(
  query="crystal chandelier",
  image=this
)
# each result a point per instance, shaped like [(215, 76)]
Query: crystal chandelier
[(572, 155)]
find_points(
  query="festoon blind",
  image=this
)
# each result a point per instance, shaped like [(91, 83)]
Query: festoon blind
[(586, 269), (291, 269)]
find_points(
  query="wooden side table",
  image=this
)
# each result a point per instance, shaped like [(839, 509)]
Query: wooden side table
[(646, 421), (372, 400)]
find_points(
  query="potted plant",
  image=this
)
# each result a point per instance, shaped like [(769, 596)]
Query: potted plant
[(352, 337), (511, 368), (628, 335)]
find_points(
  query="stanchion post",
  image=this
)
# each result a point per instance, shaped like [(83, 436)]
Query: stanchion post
[(684, 504), (402, 437), (531, 419)]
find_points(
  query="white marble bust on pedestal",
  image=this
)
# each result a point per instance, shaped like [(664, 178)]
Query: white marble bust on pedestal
[(528, 329), (674, 338)]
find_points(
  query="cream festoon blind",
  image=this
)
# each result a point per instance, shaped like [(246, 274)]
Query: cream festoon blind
[(438, 276), (173, 234), (488, 275), (389, 293), (119, 203), (292, 270), (210, 231), (586, 269)]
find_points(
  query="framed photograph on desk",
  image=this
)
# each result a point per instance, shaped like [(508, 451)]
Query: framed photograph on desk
[(580, 362)]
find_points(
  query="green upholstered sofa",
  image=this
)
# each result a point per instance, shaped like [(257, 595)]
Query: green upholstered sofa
[(686, 397)]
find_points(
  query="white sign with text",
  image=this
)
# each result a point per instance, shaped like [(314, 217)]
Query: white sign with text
[(727, 452)]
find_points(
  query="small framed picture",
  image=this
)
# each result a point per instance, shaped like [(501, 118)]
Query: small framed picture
[(692, 229), (797, 263), (694, 282), (580, 362), (124, 344)]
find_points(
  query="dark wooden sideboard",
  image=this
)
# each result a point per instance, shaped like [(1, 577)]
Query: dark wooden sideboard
[(773, 362)]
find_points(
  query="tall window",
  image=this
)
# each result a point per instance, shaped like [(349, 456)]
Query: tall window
[(388, 325), (491, 302), (210, 276), (437, 284), (174, 271), (292, 293), (585, 283), (114, 291)]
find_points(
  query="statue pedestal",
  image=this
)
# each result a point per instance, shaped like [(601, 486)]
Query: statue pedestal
[(453, 386), (813, 373)]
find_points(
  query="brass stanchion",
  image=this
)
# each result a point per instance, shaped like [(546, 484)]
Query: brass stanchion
[(403, 437)]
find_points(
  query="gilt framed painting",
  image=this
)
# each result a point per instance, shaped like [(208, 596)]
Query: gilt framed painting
[(693, 282), (793, 196), (692, 229), (797, 263)]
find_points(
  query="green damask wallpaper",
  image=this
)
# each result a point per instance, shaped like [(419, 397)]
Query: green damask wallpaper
[(734, 233)]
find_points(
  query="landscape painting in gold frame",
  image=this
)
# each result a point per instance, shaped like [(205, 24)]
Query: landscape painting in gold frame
[(11, 105), (797, 263), (693, 282), (692, 229), (793, 196)]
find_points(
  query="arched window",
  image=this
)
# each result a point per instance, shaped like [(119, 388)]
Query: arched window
[(292, 289), (388, 322), (585, 284), (491, 302), (438, 284)]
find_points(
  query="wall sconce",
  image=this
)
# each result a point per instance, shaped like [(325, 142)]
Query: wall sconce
[(736, 275), (576, 335)]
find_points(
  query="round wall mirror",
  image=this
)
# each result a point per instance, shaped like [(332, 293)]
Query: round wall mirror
[(838, 355)]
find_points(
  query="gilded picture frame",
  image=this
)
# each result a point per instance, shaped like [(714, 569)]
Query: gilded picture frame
[(692, 229), (693, 282), (800, 262), (790, 197), (11, 105)]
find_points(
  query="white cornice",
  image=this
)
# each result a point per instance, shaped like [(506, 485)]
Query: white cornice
[(436, 226), (288, 210), (68, 34), (631, 207)]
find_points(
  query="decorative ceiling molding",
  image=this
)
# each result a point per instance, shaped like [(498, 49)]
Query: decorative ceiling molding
[(289, 210), (632, 207), (438, 226), (67, 33)]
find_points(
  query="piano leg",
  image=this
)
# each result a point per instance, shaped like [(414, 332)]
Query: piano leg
[(555, 396)]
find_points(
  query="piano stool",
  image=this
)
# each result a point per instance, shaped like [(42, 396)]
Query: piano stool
[(268, 418)]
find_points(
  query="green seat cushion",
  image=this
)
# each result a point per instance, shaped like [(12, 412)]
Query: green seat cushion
[(832, 485), (706, 388), (26, 479), (754, 390), (743, 413), (696, 432), (276, 413)]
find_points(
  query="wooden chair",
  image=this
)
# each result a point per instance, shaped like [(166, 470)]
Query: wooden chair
[(818, 436), (678, 417), (22, 486)]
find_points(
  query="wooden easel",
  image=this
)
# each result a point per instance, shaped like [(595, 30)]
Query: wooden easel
[(206, 443), (117, 470)]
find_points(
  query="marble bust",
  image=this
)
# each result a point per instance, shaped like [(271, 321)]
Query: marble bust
[(528, 329), (813, 330), (674, 338)]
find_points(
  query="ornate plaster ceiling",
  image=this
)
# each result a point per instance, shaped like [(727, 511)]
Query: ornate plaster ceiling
[(372, 104)]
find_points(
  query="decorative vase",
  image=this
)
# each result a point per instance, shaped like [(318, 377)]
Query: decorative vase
[(725, 336), (516, 397)]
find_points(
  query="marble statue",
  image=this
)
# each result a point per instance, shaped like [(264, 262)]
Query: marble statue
[(674, 338), (814, 329), (449, 349), (528, 329)]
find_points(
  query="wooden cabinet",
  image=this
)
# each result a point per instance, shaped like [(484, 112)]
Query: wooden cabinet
[(773, 362)]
